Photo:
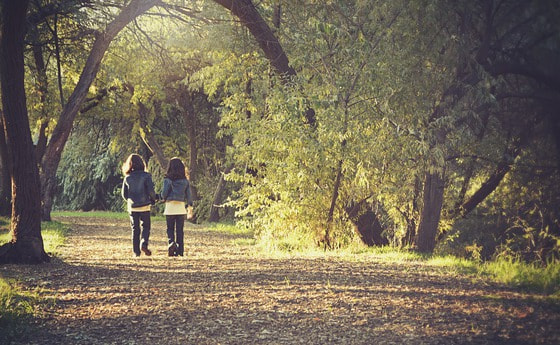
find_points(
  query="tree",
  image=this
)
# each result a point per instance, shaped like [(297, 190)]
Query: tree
[(27, 244), (5, 185), (61, 132)]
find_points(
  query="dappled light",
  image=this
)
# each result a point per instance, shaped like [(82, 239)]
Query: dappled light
[(341, 172), (220, 293)]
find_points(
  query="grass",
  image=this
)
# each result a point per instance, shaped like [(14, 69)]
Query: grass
[(53, 233), (17, 306), (16, 309), (526, 276)]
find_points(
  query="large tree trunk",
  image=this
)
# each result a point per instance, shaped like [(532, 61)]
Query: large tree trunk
[(61, 132), (431, 212), (27, 244), (5, 179)]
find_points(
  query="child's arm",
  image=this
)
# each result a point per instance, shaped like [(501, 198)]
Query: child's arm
[(166, 189), (150, 189), (124, 190)]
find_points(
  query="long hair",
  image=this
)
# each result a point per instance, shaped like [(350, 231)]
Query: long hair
[(134, 162), (176, 169)]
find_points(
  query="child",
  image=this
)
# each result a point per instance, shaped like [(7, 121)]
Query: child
[(175, 192), (138, 191)]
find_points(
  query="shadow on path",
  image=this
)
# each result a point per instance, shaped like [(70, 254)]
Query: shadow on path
[(221, 294)]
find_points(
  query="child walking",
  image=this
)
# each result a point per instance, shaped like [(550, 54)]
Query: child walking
[(176, 191), (138, 191)]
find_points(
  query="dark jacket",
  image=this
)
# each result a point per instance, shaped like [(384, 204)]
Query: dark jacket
[(139, 187), (178, 190)]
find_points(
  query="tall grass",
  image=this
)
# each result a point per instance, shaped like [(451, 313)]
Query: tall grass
[(526, 276), (511, 272)]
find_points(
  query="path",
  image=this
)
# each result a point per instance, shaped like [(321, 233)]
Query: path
[(221, 294)]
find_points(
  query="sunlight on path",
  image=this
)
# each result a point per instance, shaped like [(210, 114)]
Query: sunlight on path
[(222, 293)]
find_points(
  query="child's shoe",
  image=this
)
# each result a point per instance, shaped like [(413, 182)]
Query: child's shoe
[(146, 250), (172, 249)]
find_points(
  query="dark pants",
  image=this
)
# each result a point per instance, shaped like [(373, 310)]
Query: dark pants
[(137, 220), (175, 225)]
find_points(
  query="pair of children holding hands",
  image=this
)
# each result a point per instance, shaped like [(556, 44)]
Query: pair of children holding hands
[(138, 191)]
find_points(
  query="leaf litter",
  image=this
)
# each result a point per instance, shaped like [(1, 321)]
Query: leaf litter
[(221, 293)]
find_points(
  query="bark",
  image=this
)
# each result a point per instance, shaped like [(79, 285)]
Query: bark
[(493, 181), (149, 138), (470, 169), (217, 200), (191, 124), (263, 34), (61, 132), (5, 178), (42, 87), (370, 230), (431, 212), (366, 223), (27, 244)]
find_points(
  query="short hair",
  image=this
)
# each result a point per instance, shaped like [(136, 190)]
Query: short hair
[(176, 169), (134, 162)]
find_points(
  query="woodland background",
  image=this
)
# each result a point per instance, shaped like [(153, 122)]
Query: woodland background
[(421, 124)]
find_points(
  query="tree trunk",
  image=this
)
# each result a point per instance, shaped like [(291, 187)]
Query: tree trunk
[(370, 230), (217, 200), (149, 138), (263, 34), (410, 235), (5, 178), (42, 89), (27, 244), (485, 190), (431, 212), (191, 124), (61, 132), (494, 180), (330, 215)]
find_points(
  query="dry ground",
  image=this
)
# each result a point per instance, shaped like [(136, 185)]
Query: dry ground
[(221, 293)]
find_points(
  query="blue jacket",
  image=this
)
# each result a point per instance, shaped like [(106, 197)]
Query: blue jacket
[(178, 190), (139, 187)]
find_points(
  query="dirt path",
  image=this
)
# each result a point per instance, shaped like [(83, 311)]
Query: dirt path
[(221, 294)]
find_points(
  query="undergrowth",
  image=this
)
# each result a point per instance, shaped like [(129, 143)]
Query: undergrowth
[(18, 307)]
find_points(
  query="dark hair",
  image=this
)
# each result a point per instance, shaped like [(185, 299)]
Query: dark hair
[(176, 169), (134, 162)]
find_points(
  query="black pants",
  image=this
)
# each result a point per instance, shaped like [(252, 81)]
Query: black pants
[(175, 225), (140, 220)]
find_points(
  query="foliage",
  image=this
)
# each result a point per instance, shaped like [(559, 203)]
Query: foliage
[(16, 309), (400, 89), (91, 168)]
